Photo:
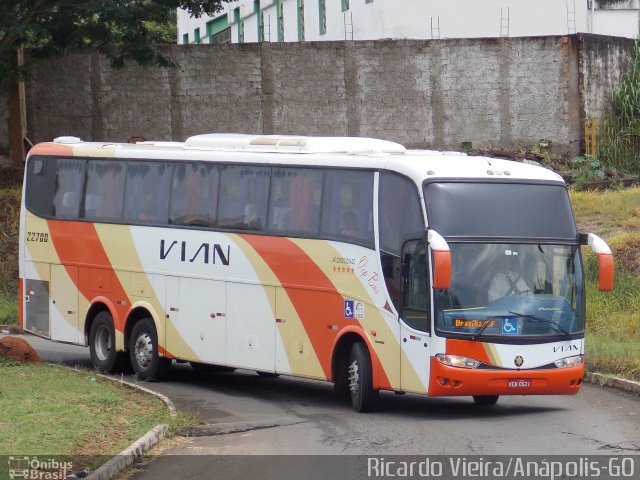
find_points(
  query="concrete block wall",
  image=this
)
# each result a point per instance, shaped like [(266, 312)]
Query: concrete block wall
[(603, 62), (508, 92)]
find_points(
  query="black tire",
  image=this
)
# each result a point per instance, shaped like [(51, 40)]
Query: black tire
[(267, 374), (485, 400), (102, 346), (360, 378), (206, 368), (143, 351), (341, 385)]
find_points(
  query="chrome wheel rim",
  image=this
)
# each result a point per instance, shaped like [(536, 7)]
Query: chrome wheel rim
[(144, 350), (103, 343), (354, 379)]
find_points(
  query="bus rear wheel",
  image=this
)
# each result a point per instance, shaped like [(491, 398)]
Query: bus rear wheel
[(360, 376), (485, 399), (143, 350), (102, 346)]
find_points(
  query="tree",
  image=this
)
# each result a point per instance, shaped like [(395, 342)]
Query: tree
[(122, 30)]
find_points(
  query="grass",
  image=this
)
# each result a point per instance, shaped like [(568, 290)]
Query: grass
[(51, 410), (613, 318), (8, 311), (610, 212), (618, 357)]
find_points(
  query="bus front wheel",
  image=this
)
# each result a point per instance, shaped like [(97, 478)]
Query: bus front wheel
[(143, 350), (360, 375), (485, 399), (102, 346)]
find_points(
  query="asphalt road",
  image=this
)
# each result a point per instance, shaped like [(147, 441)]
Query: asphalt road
[(244, 414)]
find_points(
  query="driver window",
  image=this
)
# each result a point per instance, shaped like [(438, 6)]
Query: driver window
[(414, 309), (399, 217)]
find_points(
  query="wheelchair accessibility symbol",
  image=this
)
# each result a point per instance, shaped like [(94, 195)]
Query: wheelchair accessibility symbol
[(348, 309), (509, 326)]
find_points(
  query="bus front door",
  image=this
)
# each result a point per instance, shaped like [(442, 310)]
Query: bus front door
[(415, 339)]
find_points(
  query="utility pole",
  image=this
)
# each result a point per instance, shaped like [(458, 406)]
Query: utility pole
[(17, 114)]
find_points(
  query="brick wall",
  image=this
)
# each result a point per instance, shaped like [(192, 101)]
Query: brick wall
[(506, 92)]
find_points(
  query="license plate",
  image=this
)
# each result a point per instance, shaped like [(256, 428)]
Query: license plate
[(519, 383)]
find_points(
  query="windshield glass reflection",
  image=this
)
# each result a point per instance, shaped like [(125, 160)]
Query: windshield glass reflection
[(512, 290)]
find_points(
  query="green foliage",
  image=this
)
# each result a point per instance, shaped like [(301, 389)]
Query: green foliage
[(9, 311), (9, 223), (585, 169), (123, 30), (619, 130), (613, 323), (543, 149)]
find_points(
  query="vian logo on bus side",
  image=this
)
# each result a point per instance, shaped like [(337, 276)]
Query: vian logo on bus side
[(204, 252)]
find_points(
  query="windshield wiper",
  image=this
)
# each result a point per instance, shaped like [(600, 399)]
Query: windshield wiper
[(540, 319), (481, 328)]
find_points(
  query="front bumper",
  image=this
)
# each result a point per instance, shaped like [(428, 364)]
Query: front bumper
[(453, 381)]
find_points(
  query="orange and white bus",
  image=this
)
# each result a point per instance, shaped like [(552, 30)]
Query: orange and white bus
[(350, 260)]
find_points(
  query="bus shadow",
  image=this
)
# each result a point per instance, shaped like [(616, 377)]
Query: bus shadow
[(296, 393)]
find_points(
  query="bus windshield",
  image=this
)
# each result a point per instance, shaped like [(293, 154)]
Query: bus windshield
[(512, 291)]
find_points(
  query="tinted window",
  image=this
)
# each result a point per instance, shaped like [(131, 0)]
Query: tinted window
[(500, 210), (399, 218), (400, 214), (147, 195), (244, 191), (415, 309), (41, 174), (347, 206), (68, 188), (105, 190), (295, 201), (194, 194)]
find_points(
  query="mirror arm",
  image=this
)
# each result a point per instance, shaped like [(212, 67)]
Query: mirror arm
[(605, 262), (441, 260)]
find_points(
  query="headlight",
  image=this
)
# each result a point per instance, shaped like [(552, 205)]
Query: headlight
[(570, 362), (457, 361)]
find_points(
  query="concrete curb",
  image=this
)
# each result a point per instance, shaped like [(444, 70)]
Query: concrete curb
[(137, 449), (172, 408), (120, 462), (613, 382)]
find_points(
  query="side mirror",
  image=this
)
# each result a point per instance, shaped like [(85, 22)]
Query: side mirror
[(605, 262), (441, 260)]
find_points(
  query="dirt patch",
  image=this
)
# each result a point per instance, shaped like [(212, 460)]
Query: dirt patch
[(627, 254), (14, 348), (10, 176)]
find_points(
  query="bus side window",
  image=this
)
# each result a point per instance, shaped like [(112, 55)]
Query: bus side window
[(41, 172), (244, 192), (68, 189), (194, 194), (347, 206), (295, 201), (147, 195), (105, 190)]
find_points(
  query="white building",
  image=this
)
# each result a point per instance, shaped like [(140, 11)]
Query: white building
[(322, 20)]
